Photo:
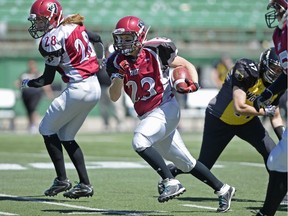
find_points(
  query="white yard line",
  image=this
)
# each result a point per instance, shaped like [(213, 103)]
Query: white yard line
[(7, 213), (252, 164), (96, 210), (199, 207)]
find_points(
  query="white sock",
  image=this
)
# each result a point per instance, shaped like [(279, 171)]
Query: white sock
[(223, 190)]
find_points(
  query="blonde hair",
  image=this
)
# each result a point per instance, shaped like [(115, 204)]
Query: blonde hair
[(74, 19)]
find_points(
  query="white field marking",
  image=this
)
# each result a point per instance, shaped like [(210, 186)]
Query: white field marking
[(252, 164), (11, 167), (7, 213), (218, 166), (89, 165), (96, 165), (103, 165), (199, 207), (97, 211)]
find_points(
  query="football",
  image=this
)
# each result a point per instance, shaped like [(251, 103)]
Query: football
[(179, 75)]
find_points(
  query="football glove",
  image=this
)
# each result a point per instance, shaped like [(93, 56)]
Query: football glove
[(191, 87), (124, 66), (270, 110), (262, 100), (24, 83)]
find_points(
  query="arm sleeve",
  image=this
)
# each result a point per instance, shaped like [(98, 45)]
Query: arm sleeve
[(46, 78), (94, 37), (279, 85)]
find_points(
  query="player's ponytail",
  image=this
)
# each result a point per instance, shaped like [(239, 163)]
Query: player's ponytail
[(74, 19)]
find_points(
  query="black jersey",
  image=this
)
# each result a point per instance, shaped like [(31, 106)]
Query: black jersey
[(245, 75)]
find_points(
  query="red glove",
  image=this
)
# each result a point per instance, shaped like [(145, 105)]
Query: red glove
[(124, 67), (191, 87)]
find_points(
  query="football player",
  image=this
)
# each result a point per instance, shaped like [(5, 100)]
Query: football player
[(142, 68), (231, 113), (66, 49), (277, 161)]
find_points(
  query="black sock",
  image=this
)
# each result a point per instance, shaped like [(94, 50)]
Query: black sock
[(175, 171), (54, 148), (202, 173), (156, 161), (276, 191), (77, 158)]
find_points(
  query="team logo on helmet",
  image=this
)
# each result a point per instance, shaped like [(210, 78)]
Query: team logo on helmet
[(52, 7), (239, 75)]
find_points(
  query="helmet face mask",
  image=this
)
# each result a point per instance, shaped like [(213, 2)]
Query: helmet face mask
[(44, 16), (270, 67), (279, 8), (38, 27), (129, 35), (125, 42)]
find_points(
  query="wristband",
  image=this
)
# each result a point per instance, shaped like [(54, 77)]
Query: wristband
[(116, 75)]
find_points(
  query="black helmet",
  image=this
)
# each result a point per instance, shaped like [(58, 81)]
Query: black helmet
[(270, 67)]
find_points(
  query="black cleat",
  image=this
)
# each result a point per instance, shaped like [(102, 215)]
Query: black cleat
[(172, 188), (225, 200), (58, 187), (79, 190)]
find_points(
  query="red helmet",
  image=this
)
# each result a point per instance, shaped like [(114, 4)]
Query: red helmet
[(44, 16), (279, 9), (129, 34)]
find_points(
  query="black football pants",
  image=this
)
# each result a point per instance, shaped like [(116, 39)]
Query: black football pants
[(218, 134)]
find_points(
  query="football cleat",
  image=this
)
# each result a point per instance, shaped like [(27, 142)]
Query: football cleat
[(172, 188), (225, 199), (160, 185), (79, 190), (58, 187)]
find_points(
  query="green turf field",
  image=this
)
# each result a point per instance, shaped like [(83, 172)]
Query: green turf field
[(123, 183)]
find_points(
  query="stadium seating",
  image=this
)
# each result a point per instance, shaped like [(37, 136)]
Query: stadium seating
[(160, 14), (7, 105), (202, 29)]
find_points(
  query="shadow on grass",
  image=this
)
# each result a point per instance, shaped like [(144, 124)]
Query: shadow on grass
[(281, 208), (75, 208), (109, 212), (37, 198), (205, 199)]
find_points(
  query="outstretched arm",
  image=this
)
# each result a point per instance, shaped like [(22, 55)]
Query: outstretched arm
[(46, 78)]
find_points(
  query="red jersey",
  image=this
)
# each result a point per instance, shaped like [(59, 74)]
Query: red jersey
[(68, 47), (280, 37), (147, 81)]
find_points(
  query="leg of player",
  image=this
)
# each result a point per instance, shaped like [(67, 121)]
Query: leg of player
[(277, 188), (202, 173), (83, 188), (172, 187), (54, 148)]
